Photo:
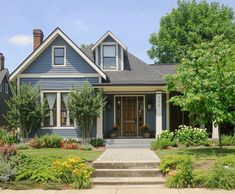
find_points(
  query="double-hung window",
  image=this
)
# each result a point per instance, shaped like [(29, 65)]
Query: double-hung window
[(59, 56), (109, 57), (6, 88)]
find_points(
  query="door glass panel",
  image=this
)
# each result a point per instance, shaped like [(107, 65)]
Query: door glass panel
[(118, 114), (140, 114)]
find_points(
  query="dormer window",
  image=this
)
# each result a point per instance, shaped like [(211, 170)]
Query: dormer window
[(109, 57), (59, 58)]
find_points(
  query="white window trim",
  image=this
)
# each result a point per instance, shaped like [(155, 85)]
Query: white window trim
[(6, 88), (0, 87), (101, 53), (58, 109), (128, 95), (53, 54)]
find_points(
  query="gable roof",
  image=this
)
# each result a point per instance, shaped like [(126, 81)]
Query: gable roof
[(165, 68), (104, 37), (57, 32)]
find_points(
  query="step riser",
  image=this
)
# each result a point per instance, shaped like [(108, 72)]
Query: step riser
[(130, 183), (125, 165), (127, 174)]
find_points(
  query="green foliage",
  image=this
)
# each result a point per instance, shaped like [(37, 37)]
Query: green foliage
[(191, 136), (97, 142), (192, 22), (25, 110), (228, 140), (23, 146), (74, 171), (31, 169), (8, 137), (6, 172), (206, 82), (85, 105), (222, 177), (164, 140), (179, 169), (47, 141), (86, 147)]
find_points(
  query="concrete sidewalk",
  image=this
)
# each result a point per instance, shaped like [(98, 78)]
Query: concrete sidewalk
[(123, 190)]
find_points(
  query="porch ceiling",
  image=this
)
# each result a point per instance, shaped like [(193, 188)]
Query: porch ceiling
[(132, 89)]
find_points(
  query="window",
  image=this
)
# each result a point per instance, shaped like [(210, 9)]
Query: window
[(66, 121), (59, 56), (6, 88), (50, 98), (0, 87), (109, 57)]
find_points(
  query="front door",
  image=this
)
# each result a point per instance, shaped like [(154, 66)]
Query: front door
[(129, 119)]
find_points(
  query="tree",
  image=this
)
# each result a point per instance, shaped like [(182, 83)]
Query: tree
[(190, 23), (206, 81), (85, 105), (83, 46), (25, 110)]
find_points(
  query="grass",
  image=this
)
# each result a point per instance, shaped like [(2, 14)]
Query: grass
[(202, 157), (52, 154)]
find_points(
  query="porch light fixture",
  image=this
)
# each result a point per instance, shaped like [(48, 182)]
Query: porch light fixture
[(149, 106), (109, 106)]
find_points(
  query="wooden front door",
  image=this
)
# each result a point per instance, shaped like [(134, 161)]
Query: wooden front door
[(129, 107)]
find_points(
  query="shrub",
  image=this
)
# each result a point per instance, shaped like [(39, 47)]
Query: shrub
[(183, 176), (31, 169), (179, 169), (8, 137), (74, 171), (6, 172), (222, 177), (8, 150), (87, 147), (164, 140), (46, 141), (23, 146), (97, 142), (66, 145), (191, 136), (228, 140)]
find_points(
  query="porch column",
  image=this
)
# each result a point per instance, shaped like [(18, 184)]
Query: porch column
[(215, 131), (158, 112), (99, 125)]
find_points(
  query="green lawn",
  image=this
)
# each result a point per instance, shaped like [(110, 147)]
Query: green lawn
[(202, 157), (58, 153)]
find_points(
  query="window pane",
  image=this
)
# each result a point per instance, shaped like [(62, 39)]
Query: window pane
[(109, 63), (50, 98), (109, 51), (66, 120), (59, 52), (59, 61)]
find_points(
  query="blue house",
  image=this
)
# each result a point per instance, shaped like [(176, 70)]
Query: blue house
[(6, 90), (135, 90)]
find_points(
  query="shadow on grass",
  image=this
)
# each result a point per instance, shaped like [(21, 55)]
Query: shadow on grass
[(207, 152)]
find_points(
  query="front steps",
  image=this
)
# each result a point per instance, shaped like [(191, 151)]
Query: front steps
[(137, 171), (128, 143)]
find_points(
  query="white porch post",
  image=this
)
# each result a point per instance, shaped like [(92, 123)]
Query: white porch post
[(215, 131), (99, 126), (158, 112)]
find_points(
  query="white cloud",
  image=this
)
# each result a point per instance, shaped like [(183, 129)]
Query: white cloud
[(81, 26), (21, 39)]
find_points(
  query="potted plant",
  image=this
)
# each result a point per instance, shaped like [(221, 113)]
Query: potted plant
[(114, 132), (145, 130)]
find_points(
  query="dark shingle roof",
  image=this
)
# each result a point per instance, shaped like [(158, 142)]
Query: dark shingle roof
[(136, 72)]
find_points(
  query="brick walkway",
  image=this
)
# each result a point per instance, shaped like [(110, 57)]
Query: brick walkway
[(128, 155)]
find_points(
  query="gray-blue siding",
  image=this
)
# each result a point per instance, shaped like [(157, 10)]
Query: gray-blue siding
[(58, 83), (74, 62)]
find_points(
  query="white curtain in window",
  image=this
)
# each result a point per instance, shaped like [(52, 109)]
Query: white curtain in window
[(51, 101), (66, 102)]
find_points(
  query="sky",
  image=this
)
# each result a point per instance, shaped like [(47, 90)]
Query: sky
[(84, 21)]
